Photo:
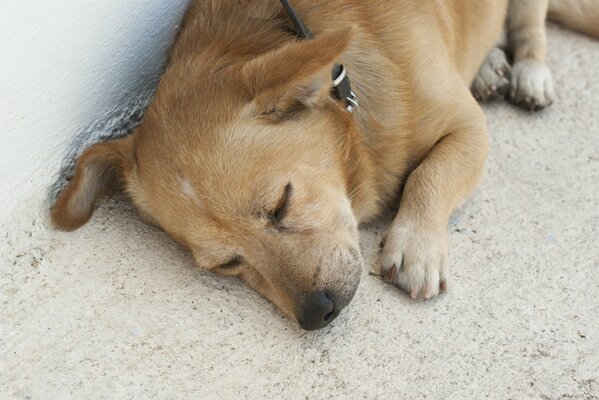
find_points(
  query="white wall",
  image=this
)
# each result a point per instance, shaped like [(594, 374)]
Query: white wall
[(70, 71)]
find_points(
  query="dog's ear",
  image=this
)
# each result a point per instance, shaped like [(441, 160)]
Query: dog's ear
[(298, 73), (100, 170)]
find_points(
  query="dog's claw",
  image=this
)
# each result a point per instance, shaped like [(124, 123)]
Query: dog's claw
[(414, 293), (428, 292), (443, 285), (390, 277)]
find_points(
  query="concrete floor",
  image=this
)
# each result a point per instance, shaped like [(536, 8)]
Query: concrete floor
[(117, 310)]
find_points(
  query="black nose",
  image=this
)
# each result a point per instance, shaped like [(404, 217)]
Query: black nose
[(318, 311)]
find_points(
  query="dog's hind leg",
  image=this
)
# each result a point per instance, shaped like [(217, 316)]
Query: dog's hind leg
[(492, 80), (531, 84)]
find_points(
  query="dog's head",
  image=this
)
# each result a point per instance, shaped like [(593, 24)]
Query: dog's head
[(246, 168)]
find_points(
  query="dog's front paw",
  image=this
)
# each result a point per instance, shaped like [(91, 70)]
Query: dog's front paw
[(531, 85), (492, 80), (415, 259)]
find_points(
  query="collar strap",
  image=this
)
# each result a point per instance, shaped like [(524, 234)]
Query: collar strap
[(341, 87)]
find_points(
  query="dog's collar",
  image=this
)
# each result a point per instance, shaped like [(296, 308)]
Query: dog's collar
[(341, 87)]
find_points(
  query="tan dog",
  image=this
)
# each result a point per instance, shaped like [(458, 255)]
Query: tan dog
[(245, 159)]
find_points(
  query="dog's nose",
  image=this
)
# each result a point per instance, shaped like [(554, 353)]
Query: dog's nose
[(318, 311)]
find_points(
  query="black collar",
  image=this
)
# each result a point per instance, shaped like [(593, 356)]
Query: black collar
[(341, 87)]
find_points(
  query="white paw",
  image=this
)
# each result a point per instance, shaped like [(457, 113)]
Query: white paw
[(415, 260), (492, 79), (531, 85)]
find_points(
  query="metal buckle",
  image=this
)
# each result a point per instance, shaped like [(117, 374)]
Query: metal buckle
[(352, 102)]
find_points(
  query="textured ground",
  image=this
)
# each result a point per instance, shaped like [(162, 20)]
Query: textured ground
[(116, 309)]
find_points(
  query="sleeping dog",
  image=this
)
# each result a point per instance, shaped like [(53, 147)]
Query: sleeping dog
[(276, 129)]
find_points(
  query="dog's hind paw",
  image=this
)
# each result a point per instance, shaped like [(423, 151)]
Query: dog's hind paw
[(531, 85), (492, 80), (415, 260)]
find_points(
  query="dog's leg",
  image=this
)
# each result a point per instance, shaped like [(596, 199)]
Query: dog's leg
[(492, 80), (531, 82), (415, 252)]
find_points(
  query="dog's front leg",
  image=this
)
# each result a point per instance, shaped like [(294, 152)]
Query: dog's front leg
[(415, 252)]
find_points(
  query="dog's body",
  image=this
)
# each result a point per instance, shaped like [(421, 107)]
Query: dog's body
[(245, 159)]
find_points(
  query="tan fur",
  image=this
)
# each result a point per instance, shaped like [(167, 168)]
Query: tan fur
[(580, 15), (243, 110)]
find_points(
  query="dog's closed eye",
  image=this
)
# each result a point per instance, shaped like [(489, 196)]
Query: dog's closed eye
[(233, 263), (278, 214)]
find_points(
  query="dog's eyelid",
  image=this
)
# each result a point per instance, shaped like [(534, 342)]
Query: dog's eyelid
[(278, 214), (233, 262)]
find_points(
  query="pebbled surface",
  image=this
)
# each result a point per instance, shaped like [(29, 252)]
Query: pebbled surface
[(116, 309)]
